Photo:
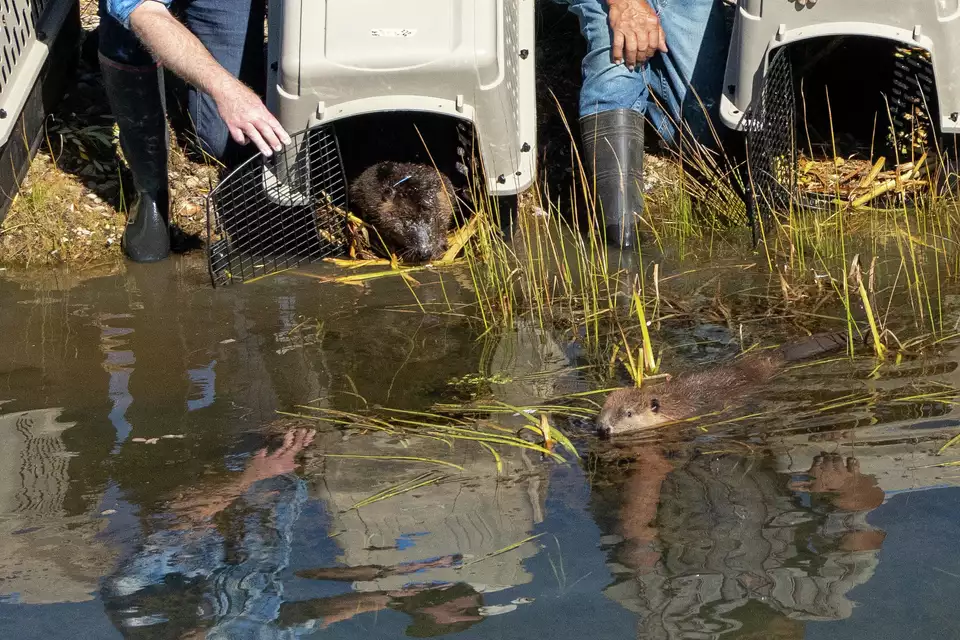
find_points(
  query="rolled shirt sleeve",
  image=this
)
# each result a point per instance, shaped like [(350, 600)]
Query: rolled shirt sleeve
[(120, 10)]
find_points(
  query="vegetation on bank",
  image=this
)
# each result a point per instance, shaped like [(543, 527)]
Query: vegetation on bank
[(556, 267), (71, 207), (886, 274)]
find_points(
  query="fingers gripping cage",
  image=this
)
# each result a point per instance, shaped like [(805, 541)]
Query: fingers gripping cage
[(275, 213)]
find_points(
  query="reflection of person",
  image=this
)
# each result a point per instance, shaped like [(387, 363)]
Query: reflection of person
[(198, 508), (674, 49), (470, 520), (190, 566), (840, 482), (434, 609), (705, 541), (219, 49)]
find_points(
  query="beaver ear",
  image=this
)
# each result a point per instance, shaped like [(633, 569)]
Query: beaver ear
[(655, 405)]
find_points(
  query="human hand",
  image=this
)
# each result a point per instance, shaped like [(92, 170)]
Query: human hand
[(346, 607), (637, 34), (281, 461), (852, 491), (247, 118)]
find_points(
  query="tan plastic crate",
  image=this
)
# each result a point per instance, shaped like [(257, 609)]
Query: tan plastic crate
[(472, 60), (763, 26)]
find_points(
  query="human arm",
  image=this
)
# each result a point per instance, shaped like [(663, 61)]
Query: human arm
[(849, 491), (637, 34), (172, 44), (841, 480), (201, 505)]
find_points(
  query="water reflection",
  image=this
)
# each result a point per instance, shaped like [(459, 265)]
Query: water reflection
[(227, 528), (217, 558), (727, 546), (199, 571), (47, 555), (470, 513)]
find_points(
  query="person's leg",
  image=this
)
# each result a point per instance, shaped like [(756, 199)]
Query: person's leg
[(133, 85), (606, 86), (687, 82), (612, 103), (232, 31)]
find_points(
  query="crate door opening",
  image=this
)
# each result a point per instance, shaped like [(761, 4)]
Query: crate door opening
[(854, 100)]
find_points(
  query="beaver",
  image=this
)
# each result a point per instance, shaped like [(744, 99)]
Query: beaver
[(635, 409), (410, 205)]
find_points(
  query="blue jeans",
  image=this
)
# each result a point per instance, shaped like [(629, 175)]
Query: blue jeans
[(231, 30), (698, 41)]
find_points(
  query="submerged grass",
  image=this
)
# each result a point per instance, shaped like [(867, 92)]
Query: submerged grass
[(500, 552), (396, 458), (442, 427), (420, 481)]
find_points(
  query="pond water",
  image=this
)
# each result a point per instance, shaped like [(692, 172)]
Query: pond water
[(155, 485)]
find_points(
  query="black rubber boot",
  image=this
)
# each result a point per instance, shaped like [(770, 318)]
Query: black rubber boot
[(613, 156), (136, 100)]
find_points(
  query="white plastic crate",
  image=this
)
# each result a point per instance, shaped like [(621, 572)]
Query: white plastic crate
[(763, 26), (26, 29), (472, 60)]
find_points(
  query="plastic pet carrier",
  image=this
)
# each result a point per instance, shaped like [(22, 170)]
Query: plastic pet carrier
[(909, 48), (445, 82), (39, 43)]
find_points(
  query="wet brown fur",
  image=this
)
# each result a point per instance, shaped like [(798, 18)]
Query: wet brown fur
[(695, 394), (410, 205)]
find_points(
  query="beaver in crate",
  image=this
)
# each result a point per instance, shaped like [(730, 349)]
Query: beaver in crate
[(409, 205)]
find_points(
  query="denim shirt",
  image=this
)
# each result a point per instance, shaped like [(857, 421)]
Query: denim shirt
[(120, 10), (241, 598)]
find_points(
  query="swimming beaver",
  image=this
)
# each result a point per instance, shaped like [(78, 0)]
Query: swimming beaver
[(687, 396), (410, 206)]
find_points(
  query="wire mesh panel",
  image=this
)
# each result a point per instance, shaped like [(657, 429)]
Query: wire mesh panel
[(770, 125), (912, 96), (772, 122), (275, 213)]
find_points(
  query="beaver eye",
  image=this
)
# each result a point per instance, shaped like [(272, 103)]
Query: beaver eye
[(655, 405)]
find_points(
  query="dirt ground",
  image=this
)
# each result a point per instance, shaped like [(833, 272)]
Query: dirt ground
[(70, 210)]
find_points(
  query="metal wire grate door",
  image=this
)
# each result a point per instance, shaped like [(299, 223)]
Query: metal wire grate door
[(275, 213)]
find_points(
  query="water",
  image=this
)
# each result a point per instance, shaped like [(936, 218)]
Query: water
[(147, 493)]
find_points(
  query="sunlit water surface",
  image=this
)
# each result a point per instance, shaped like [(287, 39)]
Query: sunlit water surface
[(136, 500)]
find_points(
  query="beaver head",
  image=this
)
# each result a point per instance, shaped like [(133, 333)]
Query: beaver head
[(414, 215), (629, 410)]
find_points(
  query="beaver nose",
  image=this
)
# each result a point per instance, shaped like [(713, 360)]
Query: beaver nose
[(422, 254)]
